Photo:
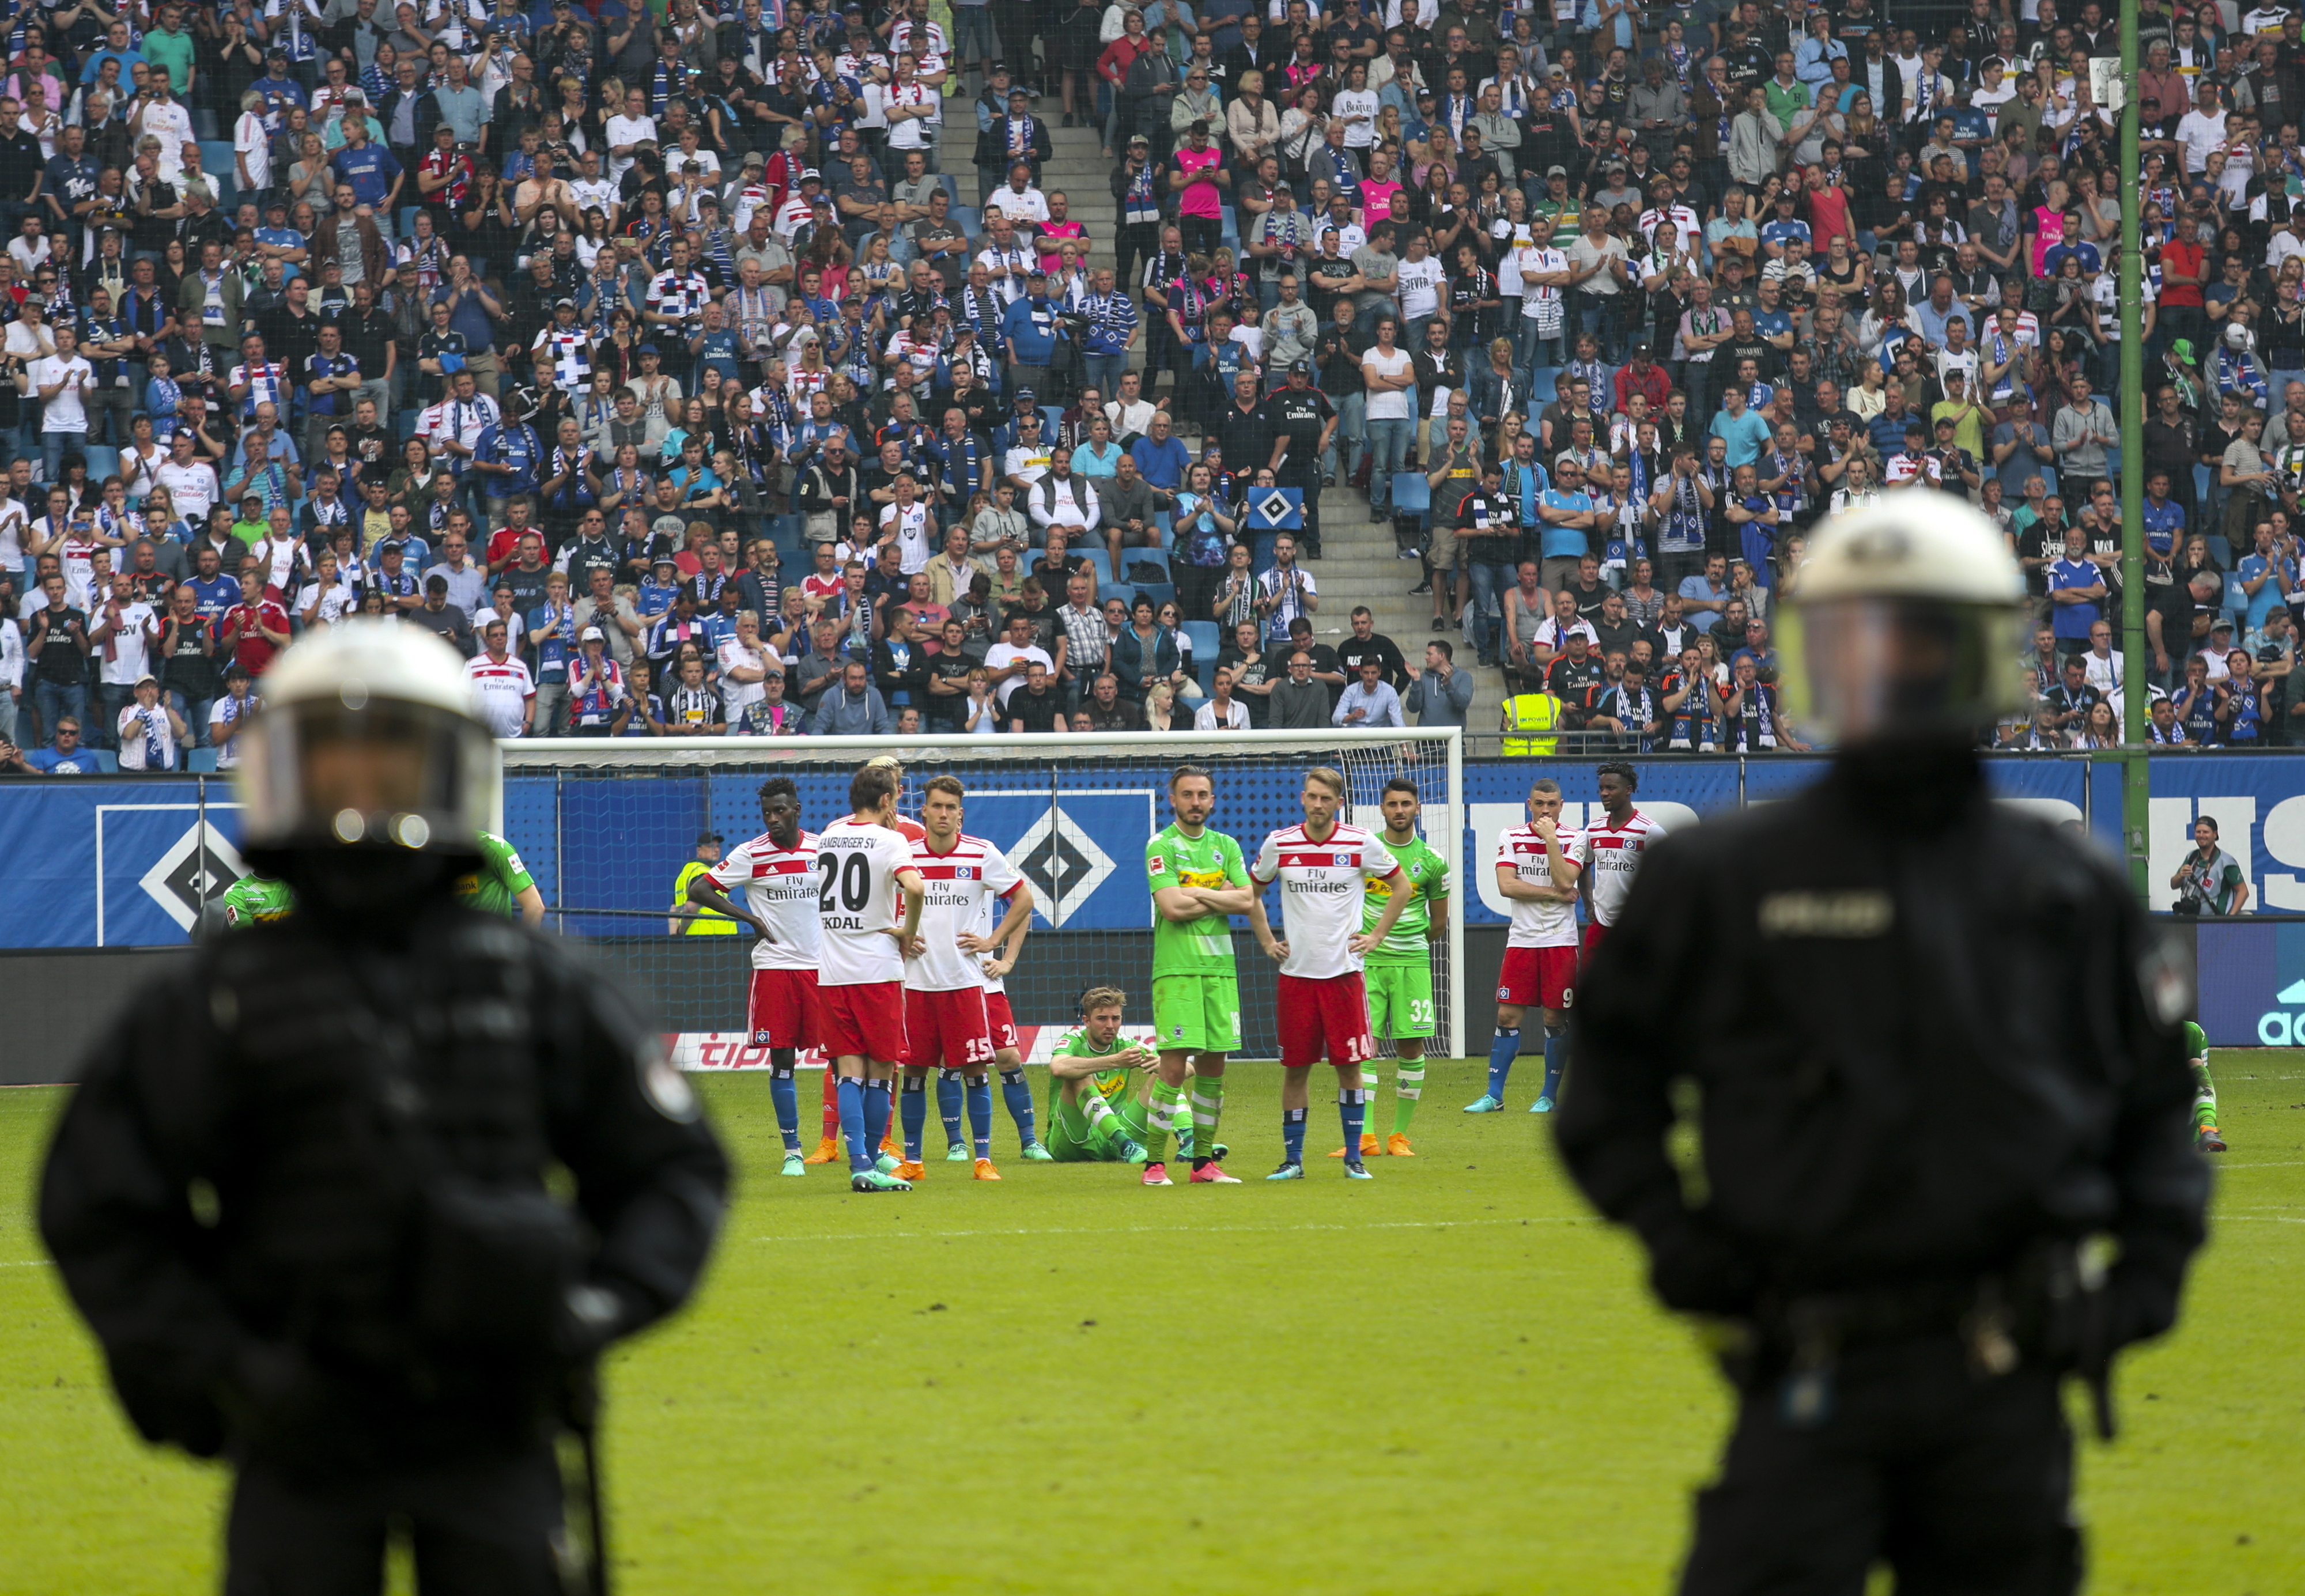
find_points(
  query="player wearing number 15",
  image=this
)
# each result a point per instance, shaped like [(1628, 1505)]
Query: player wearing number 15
[(945, 1021), (777, 870), (1198, 879), (862, 863), (1324, 869)]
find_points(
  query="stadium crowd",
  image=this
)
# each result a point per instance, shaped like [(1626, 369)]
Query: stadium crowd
[(650, 360)]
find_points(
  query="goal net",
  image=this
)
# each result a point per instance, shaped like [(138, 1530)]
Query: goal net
[(607, 826)]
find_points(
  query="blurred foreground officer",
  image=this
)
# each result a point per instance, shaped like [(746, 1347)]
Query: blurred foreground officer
[(301, 1195), (1943, 1056)]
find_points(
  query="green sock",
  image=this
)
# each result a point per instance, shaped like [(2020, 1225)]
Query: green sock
[(2205, 1097), (1409, 1085), (1208, 1107), (1158, 1119)]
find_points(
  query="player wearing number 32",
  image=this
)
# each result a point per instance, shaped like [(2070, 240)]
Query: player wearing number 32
[(1324, 869), (862, 863), (945, 1021)]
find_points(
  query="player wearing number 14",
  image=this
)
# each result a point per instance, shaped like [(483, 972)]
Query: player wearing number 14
[(1324, 869)]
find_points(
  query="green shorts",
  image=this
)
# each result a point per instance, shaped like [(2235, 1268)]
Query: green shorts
[(1195, 1013), (1067, 1138), (1400, 998)]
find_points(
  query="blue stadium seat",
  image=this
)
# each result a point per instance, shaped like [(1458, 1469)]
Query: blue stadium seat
[(107, 760), (1543, 383), (403, 422), (201, 761), (1168, 525), (1099, 562), (204, 125), (965, 217), (408, 220), (1051, 415), (2113, 462), (1412, 494), (1160, 592), (951, 189), (2202, 483), (102, 461), (1203, 636)]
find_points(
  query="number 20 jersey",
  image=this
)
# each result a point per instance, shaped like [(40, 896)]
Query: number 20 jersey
[(779, 885), (859, 902)]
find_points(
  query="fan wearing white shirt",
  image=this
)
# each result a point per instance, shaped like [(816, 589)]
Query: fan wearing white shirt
[(1221, 712)]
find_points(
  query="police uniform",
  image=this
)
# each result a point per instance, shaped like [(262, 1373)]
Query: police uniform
[(1301, 414), (301, 1193), (1903, 1145)]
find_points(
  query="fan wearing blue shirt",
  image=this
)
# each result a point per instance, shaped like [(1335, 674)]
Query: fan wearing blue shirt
[(2164, 517), (1745, 433), (2077, 592)]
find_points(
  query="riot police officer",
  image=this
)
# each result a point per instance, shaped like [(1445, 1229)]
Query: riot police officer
[(300, 1194), (1939, 1056)]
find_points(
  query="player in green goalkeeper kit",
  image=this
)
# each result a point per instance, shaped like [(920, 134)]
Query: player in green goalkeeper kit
[(1093, 1116), (500, 884), (2204, 1092)]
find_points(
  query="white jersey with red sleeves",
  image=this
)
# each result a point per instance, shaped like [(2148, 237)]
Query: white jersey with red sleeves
[(1323, 885), (860, 902), (1610, 855), (779, 885), (956, 889), (1536, 925)]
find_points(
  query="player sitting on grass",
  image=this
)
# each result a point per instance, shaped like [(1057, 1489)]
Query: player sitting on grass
[(1089, 1084), (1089, 1095), (2204, 1092), (1399, 972), (1323, 868)]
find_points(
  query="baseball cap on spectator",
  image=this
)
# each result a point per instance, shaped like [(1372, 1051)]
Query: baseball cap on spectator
[(1553, 171), (754, 157), (590, 634)]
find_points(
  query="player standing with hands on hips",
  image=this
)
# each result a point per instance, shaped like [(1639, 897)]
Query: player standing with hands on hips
[(1324, 869), (1908, 1158), (301, 1193)]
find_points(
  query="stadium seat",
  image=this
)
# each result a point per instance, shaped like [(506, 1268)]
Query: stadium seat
[(103, 461), (1051, 415), (2202, 482), (1412, 494), (965, 217), (1203, 636), (951, 189), (1160, 592), (1543, 383), (2112, 462), (1099, 562), (403, 422), (408, 213), (107, 761), (1168, 525), (200, 762), (204, 125)]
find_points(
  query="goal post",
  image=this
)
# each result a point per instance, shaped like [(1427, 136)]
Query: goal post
[(605, 826)]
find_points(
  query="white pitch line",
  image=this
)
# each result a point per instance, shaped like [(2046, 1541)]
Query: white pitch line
[(1193, 1230)]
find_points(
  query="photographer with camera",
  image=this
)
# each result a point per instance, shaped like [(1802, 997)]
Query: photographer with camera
[(2210, 882)]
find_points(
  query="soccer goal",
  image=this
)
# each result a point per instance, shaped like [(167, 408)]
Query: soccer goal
[(606, 826)]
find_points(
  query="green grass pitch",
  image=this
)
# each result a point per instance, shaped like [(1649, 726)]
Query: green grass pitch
[(1446, 1381)]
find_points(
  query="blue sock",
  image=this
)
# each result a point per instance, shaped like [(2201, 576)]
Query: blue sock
[(861, 1151), (1502, 1052), (980, 1115), (1352, 1107), (913, 1113), (876, 1117), (1292, 1135), (949, 1104), (785, 1097), (1019, 1099), (1556, 1056)]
